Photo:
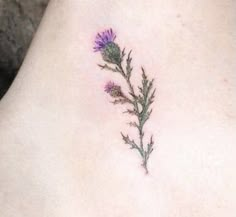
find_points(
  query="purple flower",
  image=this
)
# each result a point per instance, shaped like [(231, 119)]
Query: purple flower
[(110, 86), (113, 89), (104, 38)]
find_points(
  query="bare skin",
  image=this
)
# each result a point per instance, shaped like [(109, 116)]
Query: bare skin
[(61, 153)]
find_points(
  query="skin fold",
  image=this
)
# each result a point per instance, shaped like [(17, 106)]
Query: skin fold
[(61, 153)]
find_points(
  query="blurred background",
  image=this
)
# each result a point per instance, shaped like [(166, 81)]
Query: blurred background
[(19, 20)]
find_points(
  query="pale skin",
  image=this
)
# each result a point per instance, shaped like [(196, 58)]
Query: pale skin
[(61, 153)]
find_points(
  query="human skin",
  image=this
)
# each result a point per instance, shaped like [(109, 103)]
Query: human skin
[(61, 153)]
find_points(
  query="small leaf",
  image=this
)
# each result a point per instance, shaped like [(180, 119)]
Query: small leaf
[(143, 74), (133, 95), (151, 98), (133, 124), (140, 89), (128, 66), (128, 141), (150, 146), (120, 101), (131, 112), (106, 67), (123, 54)]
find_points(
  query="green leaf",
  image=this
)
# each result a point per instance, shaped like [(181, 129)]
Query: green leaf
[(133, 124), (122, 54), (128, 66), (120, 101), (106, 67), (150, 146), (131, 112)]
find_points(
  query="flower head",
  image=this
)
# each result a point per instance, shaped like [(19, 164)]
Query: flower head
[(102, 39), (104, 42), (113, 89)]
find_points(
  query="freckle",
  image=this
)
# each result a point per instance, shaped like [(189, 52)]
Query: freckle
[(225, 80), (178, 16)]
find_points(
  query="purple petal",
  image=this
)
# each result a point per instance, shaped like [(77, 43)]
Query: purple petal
[(103, 38)]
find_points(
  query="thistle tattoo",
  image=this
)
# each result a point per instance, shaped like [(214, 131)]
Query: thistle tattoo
[(139, 103)]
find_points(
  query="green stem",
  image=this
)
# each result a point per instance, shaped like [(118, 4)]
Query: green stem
[(140, 126), (145, 164)]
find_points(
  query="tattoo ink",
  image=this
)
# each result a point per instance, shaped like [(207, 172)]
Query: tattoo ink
[(138, 103)]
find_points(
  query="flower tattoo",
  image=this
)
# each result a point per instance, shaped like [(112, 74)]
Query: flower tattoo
[(138, 103), (113, 89)]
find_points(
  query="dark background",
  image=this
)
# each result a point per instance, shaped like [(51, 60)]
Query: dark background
[(19, 20)]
